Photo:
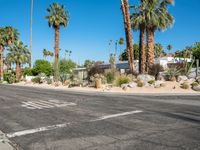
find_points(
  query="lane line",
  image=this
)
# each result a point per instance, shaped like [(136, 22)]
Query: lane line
[(117, 115), (32, 131), (53, 127)]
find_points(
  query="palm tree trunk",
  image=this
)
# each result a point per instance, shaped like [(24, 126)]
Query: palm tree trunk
[(142, 55), (31, 33), (18, 71), (128, 32), (150, 46), (1, 63), (57, 36)]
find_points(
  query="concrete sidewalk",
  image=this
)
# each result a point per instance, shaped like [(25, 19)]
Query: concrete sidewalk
[(5, 144)]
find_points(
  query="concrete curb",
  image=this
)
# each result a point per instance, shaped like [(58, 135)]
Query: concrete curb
[(5, 144)]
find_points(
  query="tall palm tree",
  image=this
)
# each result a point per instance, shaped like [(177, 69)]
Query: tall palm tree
[(128, 33), (57, 17), (7, 36), (45, 53), (2, 44), (31, 31), (157, 17), (19, 55), (169, 47), (139, 23), (12, 35)]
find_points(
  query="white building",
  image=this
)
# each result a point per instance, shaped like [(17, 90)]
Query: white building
[(167, 60)]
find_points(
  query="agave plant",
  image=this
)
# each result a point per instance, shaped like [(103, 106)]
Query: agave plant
[(172, 74)]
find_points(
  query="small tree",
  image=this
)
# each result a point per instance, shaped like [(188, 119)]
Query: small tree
[(66, 66), (42, 66)]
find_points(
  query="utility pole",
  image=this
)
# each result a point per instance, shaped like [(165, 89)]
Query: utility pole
[(31, 29)]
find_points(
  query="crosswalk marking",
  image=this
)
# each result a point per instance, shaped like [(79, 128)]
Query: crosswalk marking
[(42, 104)]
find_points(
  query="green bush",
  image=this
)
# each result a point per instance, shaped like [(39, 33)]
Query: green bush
[(122, 79), (140, 84), (37, 80), (110, 77), (27, 72), (185, 85), (42, 66), (9, 77), (66, 66)]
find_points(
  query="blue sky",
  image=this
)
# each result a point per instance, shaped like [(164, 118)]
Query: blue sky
[(92, 24)]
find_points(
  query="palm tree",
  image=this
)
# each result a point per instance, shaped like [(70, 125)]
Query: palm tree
[(19, 55), (2, 45), (169, 47), (157, 18), (31, 33), (7, 36), (45, 53), (139, 23), (158, 50), (57, 17), (12, 35), (128, 33)]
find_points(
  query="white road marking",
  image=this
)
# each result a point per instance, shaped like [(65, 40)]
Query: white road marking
[(41, 104), (117, 115), (32, 131), (53, 127)]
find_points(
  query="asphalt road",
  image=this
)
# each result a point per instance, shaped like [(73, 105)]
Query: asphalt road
[(38, 119)]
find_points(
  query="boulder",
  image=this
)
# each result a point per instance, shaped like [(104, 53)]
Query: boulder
[(5, 82), (182, 78), (132, 85), (124, 87), (196, 88), (145, 78), (158, 84)]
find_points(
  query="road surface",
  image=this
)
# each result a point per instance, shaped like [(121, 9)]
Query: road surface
[(41, 119)]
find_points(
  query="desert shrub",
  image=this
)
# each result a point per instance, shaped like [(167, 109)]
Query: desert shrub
[(110, 77), (140, 83), (9, 77), (95, 70), (185, 85), (48, 80), (184, 67), (154, 70), (64, 77), (42, 66), (194, 84), (172, 74), (27, 72), (37, 80), (151, 82), (122, 79)]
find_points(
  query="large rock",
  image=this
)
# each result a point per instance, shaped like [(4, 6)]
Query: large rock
[(182, 78), (158, 84), (145, 78), (132, 85), (124, 87), (196, 88)]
